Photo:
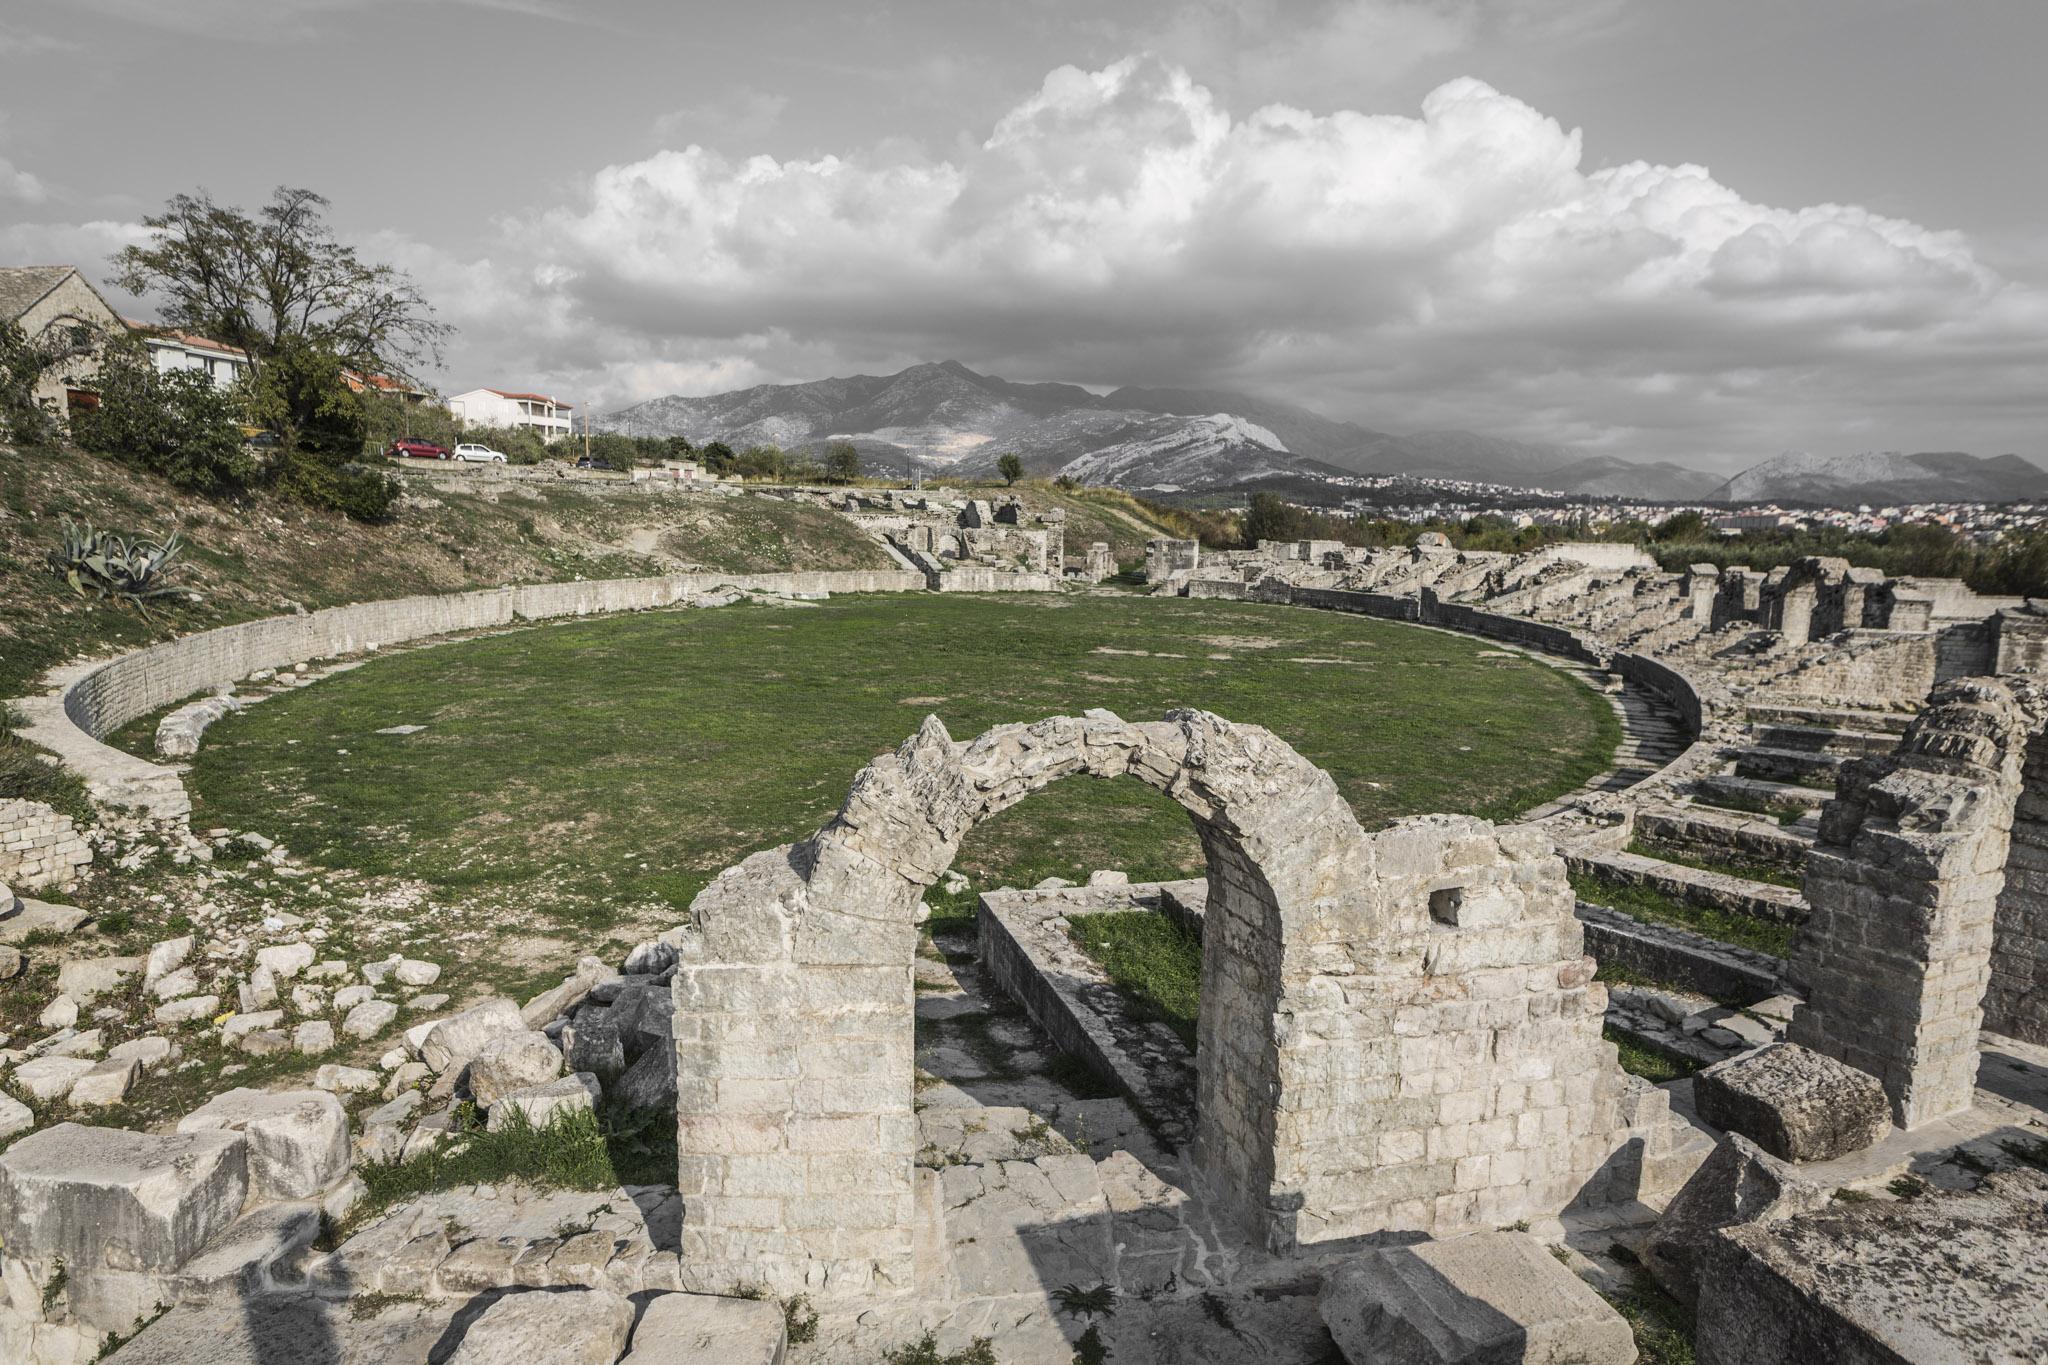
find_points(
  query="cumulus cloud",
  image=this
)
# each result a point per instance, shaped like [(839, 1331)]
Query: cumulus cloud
[(1456, 266)]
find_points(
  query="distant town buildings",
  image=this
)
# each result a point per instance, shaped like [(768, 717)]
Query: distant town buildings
[(550, 417), (171, 350), (56, 303)]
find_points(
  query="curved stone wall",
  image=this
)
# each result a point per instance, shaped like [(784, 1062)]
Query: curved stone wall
[(93, 700)]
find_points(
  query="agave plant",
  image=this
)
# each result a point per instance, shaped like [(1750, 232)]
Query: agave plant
[(132, 570)]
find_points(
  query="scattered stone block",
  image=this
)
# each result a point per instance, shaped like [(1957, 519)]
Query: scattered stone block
[(699, 1329), (1796, 1104), (540, 1104), (241, 1026), (315, 1035), (298, 1139), (649, 1083), (309, 1000), (186, 1010), (50, 1078), (175, 984), (1490, 1298), (165, 958), (513, 1061), (106, 1198), (259, 992), (454, 1040), (1108, 878), (267, 1042), (1740, 1183), (285, 960), (369, 1019), (15, 1117), (568, 1327), (11, 963), (36, 916), (595, 1047), (152, 1050), (398, 1110), (348, 997), (348, 1080), (106, 1084), (415, 973), (86, 1044), (559, 1000), (333, 969), (85, 979), (61, 1012)]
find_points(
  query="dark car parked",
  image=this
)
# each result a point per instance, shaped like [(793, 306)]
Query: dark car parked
[(418, 448), (593, 462)]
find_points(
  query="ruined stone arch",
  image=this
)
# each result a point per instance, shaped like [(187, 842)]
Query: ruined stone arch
[(1398, 1030)]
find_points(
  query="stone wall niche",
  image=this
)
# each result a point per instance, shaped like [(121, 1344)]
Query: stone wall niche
[(1399, 1031)]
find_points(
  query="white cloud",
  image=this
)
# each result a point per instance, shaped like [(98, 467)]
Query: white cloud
[(736, 116), (1457, 267)]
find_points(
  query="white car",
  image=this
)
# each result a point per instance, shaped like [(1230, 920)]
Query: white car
[(477, 454)]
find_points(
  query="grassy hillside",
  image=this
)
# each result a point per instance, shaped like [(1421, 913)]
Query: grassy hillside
[(259, 555)]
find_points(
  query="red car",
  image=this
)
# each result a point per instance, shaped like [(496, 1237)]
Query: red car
[(417, 448)]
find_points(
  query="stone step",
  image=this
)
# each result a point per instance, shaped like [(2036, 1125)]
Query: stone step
[(1711, 832), (1826, 740), (1694, 886), (1666, 953), (1751, 789), (1762, 764), (1887, 722)]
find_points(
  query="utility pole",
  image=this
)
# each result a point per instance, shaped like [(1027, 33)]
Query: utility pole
[(586, 429)]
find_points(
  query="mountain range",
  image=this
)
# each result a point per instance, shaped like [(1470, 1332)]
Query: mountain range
[(945, 419), (1886, 477)]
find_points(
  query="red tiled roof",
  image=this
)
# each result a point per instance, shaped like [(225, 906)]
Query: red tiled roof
[(531, 397), (186, 338)]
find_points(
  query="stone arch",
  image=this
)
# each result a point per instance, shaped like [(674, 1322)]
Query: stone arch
[(1928, 896), (1398, 1030)]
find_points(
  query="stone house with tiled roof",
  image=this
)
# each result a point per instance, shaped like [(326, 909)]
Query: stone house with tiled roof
[(41, 299)]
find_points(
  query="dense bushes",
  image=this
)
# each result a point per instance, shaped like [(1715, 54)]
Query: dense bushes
[(178, 425)]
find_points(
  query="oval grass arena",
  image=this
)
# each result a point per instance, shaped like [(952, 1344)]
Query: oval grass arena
[(580, 783)]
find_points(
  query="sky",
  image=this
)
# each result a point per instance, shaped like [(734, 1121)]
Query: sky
[(1646, 228)]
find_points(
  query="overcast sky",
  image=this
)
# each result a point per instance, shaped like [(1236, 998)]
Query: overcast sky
[(1698, 231)]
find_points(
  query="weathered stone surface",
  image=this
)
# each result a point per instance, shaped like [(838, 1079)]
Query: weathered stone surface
[(315, 1035), (15, 1117), (1796, 1104), (541, 1104), (291, 1329), (412, 972), (187, 1010), (86, 979), (298, 1139), (509, 1062), (596, 1048), (108, 1083), (649, 1083), (369, 1019), (165, 958), (285, 960), (348, 1080), (1740, 1183), (559, 1000), (61, 1012), (1489, 1299), (152, 1050), (570, 1327), (1951, 1278), (454, 1040), (242, 1025), (699, 1329), (49, 1078), (104, 1198)]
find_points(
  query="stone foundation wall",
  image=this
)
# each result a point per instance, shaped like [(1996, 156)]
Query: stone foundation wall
[(2016, 1003), (39, 846)]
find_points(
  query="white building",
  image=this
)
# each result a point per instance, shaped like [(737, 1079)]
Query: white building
[(171, 350), (501, 408)]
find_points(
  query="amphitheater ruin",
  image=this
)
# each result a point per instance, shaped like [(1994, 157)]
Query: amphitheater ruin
[(1404, 1132)]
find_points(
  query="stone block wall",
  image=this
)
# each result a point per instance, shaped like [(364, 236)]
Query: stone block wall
[(1903, 884), (2016, 1000), (1399, 1032), (39, 846)]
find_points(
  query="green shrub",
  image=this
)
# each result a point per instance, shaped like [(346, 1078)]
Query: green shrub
[(178, 425), (359, 491)]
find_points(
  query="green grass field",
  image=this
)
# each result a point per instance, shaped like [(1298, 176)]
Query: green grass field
[(586, 780)]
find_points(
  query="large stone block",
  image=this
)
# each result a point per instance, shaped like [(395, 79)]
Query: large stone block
[(1740, 1183), (452, 1042), (1488, 1299), (298, 1139), (699, 1329), (569, 1327), (105, 1198), (512, 1061), (1794, 1103)]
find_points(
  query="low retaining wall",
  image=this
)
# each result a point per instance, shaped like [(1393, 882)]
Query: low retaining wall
[(39, 846), (95, 699), (1697, 963)]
